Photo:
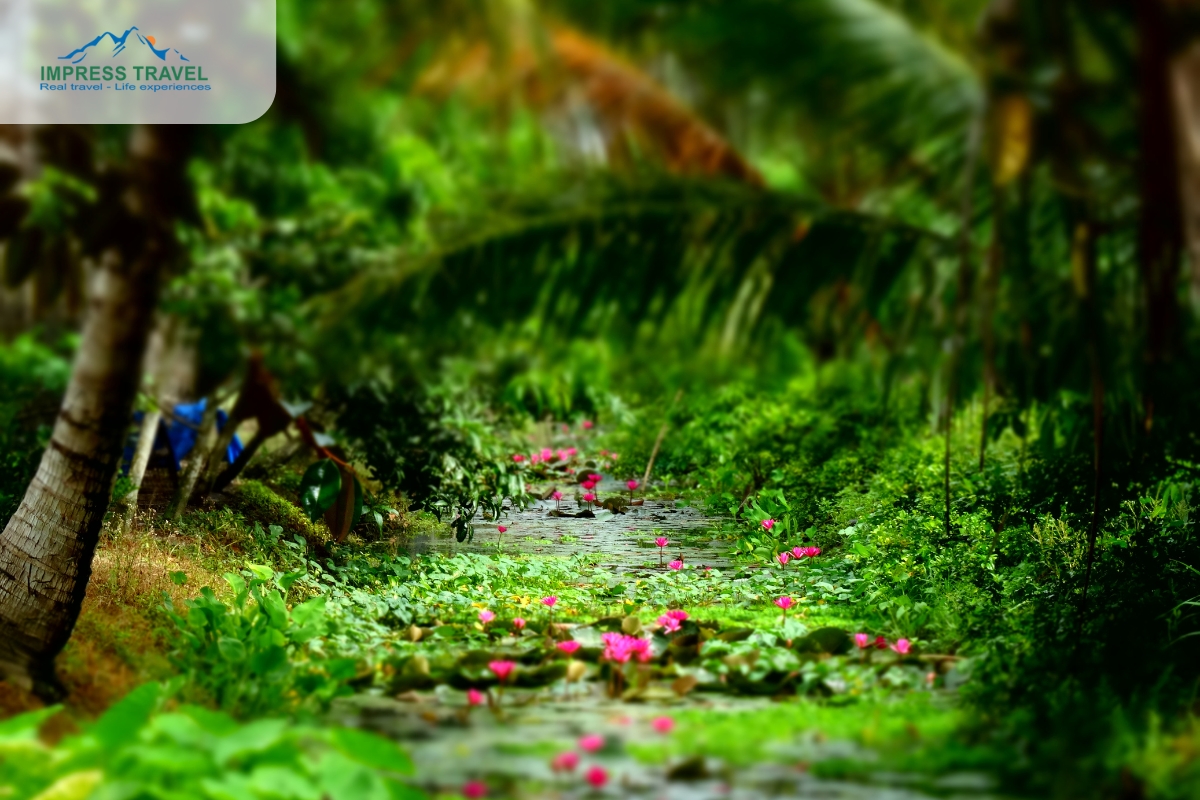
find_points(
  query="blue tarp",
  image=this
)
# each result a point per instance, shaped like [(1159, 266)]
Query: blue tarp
[(182, 437)]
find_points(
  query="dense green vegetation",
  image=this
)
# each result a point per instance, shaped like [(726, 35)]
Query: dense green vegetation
[(873, 320)]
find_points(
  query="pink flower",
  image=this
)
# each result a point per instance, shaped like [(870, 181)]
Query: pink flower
[(565, 762), (880, 643), (519, 623), (588, 424), (588, 485), (669, 624), (589, 497), (619, 648), (768, 524), (862, 641), (568, 647), (663, 724), (613, 456), (517, 457), (784, 602), (562, 455), (500, 529), (502, 669), (534, 458), (566, 428), (594, 477), (557, 495), (547, 454), (783, 558), (677, 614), (486, 616), (549, 602), (798, 552), (475, 697), (809, 552), (676, 565), (661, 541), (597, 776), (474, 789), (591, 742), (571, 451), (631, 485), (902, 646)]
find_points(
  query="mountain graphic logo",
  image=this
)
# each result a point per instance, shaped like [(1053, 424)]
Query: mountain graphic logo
[(165, 54)]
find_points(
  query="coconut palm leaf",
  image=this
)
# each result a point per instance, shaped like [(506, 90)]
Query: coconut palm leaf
[(703, 257)]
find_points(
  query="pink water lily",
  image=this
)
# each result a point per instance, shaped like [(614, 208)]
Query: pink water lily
[(473, 790), (669, 624), (595, 477), (519, 623), (562, 455), (809, 552), (591, 742), (557, 495), (588, 485), (614, 456), (902, 646), (501, 529), (798, 552), (597, 776), (589, 497), (631, 485), (486, 616), (784, 602), (862, 641), (547, 454), (587, 424), (475, 697), (663, 724), (565, 762), (880, 643), (517, 457), (534, 458), (783, 558), (662, 541), (568, 647), (502, 669), (619, 648), (676, 565), (768, 524), (549, 601)]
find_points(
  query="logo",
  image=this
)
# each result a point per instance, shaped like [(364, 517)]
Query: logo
[(79, 54), (183, 76)]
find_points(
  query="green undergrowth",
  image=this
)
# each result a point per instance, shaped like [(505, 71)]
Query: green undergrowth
[(916, 732)]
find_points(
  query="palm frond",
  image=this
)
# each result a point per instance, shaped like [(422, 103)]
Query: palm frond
[(708, 258)]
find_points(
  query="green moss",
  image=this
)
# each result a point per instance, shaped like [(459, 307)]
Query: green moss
[(256, 502)]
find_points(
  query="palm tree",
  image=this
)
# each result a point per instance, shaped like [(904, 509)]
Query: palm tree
[(47, 546)]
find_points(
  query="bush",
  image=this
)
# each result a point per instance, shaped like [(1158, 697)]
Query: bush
[(138, 750)]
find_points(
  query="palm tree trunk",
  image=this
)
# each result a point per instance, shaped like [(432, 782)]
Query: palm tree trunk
[(206, 440), (46, 550), (47, 547), (137, 469)]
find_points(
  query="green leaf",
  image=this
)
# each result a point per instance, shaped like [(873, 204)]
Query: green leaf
[(231, 649), (121, 723), (319, 488), (179, 578), (372, 750), (343, 779)]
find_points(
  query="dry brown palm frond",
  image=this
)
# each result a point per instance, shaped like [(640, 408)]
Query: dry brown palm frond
[(559, 69)]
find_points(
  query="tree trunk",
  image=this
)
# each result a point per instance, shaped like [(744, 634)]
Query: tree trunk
[(230, 473), (137, 469), (202, 452), (47, 547)]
